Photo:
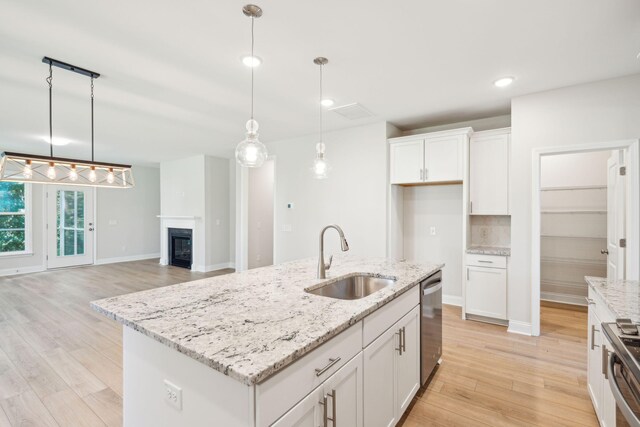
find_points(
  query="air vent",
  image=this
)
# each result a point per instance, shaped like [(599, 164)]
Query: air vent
[(353, 111)]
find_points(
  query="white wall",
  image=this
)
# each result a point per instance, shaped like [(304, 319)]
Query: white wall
[(438, 206), (496, 122), (578, 169), (126, 220), (217, 223), (260, 225), (593, 112), (182, 183), (354, 195)]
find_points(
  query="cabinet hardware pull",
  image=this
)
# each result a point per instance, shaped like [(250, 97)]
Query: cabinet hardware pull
[(467, 274), (426, 174), (404, 340), (605, 362), (486, 262), (471, 208), (399, 334), (593, 334), (325, 416), (421, 174), (326, 368), (325, 409), (589, 301)]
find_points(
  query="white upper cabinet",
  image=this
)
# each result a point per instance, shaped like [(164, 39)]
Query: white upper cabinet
[(443, 158), (489, 172), (407, 161), (429, 158)]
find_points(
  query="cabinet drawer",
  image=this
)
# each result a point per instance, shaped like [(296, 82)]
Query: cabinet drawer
[(282, 391), (381, 320), (492, 261)]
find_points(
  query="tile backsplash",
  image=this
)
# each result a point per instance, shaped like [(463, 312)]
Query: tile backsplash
[(490, 230)]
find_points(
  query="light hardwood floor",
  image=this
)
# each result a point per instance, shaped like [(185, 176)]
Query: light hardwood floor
[(61, 363)]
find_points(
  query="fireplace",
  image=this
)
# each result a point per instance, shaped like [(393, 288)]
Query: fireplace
[(180, 247)]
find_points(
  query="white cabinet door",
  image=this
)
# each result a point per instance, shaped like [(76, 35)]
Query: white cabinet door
[(489, 175), (486, 292), (343, 391), (594, 361), (408, 363), (307, 413), (443, 158), (380, 380), (406, 161)]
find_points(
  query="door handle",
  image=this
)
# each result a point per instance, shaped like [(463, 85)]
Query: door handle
[(604, 251), (90, 229)]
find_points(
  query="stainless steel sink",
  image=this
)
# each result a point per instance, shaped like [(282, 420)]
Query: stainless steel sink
[(354, 287)]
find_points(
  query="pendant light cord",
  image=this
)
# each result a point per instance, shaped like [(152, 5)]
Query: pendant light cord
[(252, 67), (50, 82), (92, 118), (320, 104)]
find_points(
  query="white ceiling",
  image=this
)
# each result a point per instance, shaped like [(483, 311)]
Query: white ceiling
[(173, 84)]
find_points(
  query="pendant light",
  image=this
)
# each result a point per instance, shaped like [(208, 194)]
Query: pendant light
[(320, 166), (251, 152), (18, 167)]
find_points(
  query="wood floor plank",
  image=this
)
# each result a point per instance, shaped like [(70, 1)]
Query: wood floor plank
[(70, 411), (72, 372), (27, 409), (108, 405)]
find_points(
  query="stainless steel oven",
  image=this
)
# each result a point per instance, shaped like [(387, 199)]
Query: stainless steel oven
[(624, 374)]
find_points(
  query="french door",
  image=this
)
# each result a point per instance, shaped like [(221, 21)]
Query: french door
[(70, 225)]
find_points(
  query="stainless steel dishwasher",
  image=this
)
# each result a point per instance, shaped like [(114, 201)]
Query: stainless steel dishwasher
[(430, 324)]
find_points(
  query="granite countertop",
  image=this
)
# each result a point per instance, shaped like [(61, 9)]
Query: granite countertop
[(489, 250), (621, 296), (251, 324)]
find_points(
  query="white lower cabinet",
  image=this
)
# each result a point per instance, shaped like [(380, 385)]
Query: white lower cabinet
[(486, 292), (392, 371), (598, 355), (341, 394)]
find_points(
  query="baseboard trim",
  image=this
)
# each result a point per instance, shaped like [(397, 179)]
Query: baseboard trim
[(564, 299), (220, 266), (126, 258), (452, 300), (517, 327), (22, 270)]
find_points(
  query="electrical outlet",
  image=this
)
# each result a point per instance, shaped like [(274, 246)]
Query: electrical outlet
[(484, 232), (432, 231), (173, 395), (113, 222)]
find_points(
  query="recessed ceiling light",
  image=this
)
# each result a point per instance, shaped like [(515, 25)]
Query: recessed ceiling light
[(57, 141), (327, 102), (504, 81), (251, 61)]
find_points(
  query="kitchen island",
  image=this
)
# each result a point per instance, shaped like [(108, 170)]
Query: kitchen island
[(249, 348)]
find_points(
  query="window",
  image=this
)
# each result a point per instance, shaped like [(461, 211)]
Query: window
[(15, 233)]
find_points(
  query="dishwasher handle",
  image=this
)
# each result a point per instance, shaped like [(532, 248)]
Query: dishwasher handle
[(432, 289)]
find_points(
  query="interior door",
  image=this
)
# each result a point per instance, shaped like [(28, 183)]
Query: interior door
[(70, 226), (616, 206)]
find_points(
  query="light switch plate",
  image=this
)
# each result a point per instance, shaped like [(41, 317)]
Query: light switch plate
[(432, 231), (173, 395)]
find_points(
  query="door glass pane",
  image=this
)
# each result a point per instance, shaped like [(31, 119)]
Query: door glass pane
[(70, 223), (69, 244), (80, 242)]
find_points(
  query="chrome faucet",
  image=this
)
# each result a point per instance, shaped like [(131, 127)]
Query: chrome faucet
[(322, 267)]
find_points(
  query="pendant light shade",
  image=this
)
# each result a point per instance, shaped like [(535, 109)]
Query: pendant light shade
[(321, 167), (20, 167), (250, 152)]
